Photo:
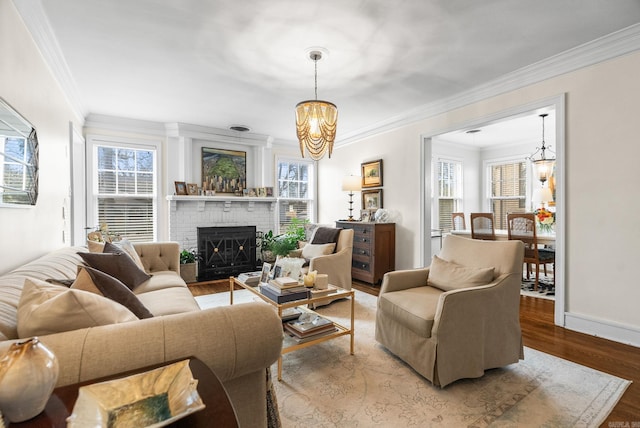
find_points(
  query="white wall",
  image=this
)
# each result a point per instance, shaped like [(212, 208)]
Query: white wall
[(28, 86), (602, 152)]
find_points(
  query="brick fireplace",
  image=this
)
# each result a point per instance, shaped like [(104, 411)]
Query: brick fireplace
[(188, 213)]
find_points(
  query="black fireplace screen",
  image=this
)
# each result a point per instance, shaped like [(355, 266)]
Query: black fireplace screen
[(226, 251)]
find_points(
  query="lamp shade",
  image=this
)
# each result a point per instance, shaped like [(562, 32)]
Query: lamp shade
[(542, 195), (351, 183)]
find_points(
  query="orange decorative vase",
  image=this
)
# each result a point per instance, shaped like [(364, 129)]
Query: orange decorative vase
[(28, 374)]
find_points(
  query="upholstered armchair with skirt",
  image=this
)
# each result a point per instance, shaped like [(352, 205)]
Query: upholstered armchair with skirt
[(337, 265), (458, 317)]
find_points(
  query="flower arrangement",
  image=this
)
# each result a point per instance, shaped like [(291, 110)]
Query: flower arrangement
[(545, 219)]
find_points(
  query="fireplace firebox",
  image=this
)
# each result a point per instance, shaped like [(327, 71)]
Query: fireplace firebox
[(226, 251)]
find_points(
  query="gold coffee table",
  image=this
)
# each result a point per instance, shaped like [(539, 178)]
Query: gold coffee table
[(289, 344)]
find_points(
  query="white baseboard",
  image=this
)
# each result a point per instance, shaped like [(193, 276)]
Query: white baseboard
[(605, 329)]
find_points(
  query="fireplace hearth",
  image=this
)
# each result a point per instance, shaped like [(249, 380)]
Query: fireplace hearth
[(226, 251)]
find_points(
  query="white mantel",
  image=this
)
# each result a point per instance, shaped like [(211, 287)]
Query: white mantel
[(187, 213)]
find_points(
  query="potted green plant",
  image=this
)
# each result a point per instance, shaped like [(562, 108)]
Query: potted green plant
[(288, 241), (266, 247), (188, 266), (281, 245)]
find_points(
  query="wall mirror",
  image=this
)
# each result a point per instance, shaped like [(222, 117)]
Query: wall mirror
[(18, 158)]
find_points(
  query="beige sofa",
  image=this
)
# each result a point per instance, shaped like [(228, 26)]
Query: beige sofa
[(237, 342), (458, 317)]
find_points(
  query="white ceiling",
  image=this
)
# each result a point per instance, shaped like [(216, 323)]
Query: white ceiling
[(222, 62), (520, 129)]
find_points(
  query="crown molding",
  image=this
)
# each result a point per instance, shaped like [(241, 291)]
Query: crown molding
[(177, 129), (38, 25), (608, 47), (123, 124)]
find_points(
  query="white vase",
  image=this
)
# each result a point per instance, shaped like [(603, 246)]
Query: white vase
[(28, 374)]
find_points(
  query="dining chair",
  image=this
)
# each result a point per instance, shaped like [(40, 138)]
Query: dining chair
[(482, 226), (457, 221), (522, 226)]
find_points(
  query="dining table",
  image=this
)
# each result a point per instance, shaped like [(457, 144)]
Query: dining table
[(544, 238)]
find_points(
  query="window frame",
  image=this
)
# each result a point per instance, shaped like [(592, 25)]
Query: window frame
[(489, 199), (312, 183), (458, 198), (95, 141)]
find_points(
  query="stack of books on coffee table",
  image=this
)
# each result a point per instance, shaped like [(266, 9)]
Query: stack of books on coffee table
[(282, 290), (309, 326)]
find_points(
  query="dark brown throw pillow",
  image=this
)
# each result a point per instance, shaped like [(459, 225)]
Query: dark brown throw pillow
[(98, 282), (326, 235), (118, 265)]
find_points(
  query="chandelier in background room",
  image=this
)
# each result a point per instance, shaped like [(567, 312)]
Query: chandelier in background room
[(316, 120), (542, 167)]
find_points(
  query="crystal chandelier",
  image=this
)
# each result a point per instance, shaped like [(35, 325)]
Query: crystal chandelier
[(316, 121)]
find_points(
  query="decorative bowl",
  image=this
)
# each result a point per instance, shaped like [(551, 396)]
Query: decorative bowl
[(154, 399)]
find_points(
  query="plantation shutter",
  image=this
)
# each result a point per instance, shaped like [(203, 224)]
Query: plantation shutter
[(508, 191)]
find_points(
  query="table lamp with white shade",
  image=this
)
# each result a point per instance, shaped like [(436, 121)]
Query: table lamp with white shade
[(351, 183), (541, 196)]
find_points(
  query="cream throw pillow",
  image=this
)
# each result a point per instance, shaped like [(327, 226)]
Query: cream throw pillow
[(449, 276), (314, 250), (48, 308)]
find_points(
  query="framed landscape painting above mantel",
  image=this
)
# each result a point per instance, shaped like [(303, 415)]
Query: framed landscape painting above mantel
[(372, 173), (224, 171)]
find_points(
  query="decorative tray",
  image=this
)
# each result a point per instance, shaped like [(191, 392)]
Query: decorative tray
[(151, 399)]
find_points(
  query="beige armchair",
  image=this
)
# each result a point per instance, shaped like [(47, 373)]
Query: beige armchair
[(467, 325), (338, 264)]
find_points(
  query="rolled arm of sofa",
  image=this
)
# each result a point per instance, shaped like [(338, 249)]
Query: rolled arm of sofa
[(403, 279), (232, 340)]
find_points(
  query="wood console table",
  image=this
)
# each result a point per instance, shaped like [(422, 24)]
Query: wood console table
[(218, 410)]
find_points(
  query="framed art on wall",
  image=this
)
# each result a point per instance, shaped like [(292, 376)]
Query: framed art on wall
[(224, 171), (372, 174), (371, 199)]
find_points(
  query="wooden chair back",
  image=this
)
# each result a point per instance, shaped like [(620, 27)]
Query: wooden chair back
[(522, 227), (482, 226), (457, 221)]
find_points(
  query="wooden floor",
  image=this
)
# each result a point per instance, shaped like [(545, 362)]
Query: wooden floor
[(540, 333)]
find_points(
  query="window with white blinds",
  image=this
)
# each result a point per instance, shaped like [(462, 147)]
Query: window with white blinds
[(18, 169), (449, 192), (124, 190), (508, 190), (295, 180)]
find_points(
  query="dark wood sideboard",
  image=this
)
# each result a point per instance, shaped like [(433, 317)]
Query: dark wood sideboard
[(374, 249)]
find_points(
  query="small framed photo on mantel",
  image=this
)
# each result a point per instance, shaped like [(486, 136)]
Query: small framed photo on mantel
[(181, 187)]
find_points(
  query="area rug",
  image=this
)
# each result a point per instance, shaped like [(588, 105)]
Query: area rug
[(546, 289), (325, 386)]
